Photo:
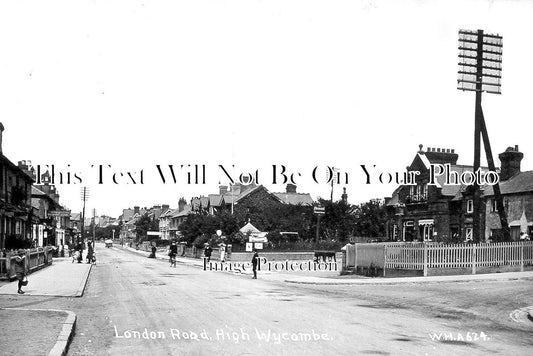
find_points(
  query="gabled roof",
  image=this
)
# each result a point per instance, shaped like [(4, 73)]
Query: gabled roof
[(395, 199), (295, 198), (255, 189), (166, 213), (186, 211), (519, 183), (249, 228), (216, 200)]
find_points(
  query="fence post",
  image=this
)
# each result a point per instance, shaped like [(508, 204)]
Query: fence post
[(355, 259), (8, 265), (474, 258), (425, 260), (522, 256), (384, 260)]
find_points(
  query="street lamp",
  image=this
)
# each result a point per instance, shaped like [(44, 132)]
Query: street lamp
[(480, 70)]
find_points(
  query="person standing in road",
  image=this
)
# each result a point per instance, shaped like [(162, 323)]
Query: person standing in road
[(255, 262), (222, 252), (20, 269), (207, 252)]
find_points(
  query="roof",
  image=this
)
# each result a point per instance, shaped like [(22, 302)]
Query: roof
[(36, 191), (519, 183), (395, 199), (215, 200), (166, 213), (186, 211), (455, 189), (255, 189), (295, 198), (200, 202), (249, 228)]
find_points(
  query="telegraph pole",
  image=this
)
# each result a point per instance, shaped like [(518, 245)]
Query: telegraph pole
[(480, 66), (94, 224), (84, 195)]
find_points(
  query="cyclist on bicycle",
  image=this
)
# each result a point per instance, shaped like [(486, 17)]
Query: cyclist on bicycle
[(173, 251)]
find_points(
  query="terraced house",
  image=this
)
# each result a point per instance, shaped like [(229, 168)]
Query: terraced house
[(15, 203)]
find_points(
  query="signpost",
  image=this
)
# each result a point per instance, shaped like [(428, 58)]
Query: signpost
[(319, 211)]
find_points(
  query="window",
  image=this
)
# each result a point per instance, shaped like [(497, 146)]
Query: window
[(425, 227), (469, 206), (468, 234), (493, 206)]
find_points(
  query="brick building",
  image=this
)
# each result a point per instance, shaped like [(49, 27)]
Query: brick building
[(420, 211)]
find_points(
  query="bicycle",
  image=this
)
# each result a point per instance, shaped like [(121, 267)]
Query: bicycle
[(172, 260)]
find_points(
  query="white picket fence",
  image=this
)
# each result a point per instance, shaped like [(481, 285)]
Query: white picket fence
[(424, 256)]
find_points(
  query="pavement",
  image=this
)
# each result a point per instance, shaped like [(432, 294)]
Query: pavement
[(66, 279), (333, 278), (43, 331)]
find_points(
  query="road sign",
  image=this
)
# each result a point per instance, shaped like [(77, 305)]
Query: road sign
[(319, 210), (61, 213)]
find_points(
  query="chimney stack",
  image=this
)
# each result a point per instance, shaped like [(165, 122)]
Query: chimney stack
[(181, 204), (510, 160), (291, 188), (223, 189)]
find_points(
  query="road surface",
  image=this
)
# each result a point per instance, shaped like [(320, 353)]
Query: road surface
[(139, 306)]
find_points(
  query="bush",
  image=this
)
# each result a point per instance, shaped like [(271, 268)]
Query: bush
[(200, 241)]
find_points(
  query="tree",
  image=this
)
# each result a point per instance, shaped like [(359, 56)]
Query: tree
[(371, 219), (339, 220), (144, 224)]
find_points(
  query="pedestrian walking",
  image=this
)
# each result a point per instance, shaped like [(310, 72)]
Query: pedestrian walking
[(79, 248), (154, 249), (222, 252), (172, 252), (90, 252), (20, 270), (255, 262), (207, 252)]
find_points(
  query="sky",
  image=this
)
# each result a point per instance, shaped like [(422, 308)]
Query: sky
[(248, 85)]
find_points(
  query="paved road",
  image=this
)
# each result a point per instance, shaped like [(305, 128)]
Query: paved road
[(187, 311), (140, 306)]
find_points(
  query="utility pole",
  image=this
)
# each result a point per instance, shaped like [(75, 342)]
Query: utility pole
[(333, 178), (94, 224), (480, 66), (84, 197)]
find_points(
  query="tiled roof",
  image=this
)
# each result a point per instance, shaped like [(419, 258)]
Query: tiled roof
[(36, 191), (186, 211), (215, 200), (519, 183), (395, 199), (254, 189), (295, 198)]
